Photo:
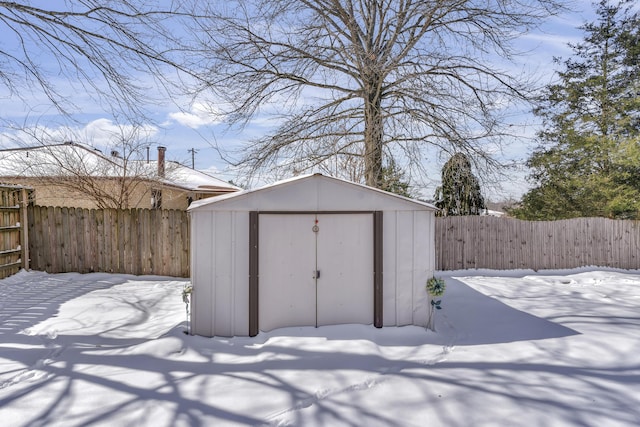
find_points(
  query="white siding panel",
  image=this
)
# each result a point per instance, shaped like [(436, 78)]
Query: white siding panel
[(389, 276), (340, 195), (294, 196), (220, 273), (202, 236), (240, 279), (422, 252), (337, 195), (222, 256), (404, 266)]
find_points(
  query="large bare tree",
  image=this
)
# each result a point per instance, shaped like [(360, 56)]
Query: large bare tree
[(363, 78)]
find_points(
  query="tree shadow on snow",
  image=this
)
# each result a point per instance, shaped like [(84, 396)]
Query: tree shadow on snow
[(469, 317), (27, 298), (290, 380), (188, 380)]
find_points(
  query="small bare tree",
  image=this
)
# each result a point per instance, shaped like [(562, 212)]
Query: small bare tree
[(364, 79), (118, 178), (110, 50)]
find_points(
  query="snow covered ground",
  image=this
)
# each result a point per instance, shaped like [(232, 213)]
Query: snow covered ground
[(512, 348)]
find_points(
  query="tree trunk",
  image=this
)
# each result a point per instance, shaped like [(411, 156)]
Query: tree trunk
[(373, 134)]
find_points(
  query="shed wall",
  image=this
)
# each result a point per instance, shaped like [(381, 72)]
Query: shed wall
[(220, 268), (220, 249), (408, 261), (220, 273)]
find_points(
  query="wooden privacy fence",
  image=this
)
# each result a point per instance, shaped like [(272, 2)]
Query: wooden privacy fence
[(14, 253), (131, 241), (143, 241), (504, 244)]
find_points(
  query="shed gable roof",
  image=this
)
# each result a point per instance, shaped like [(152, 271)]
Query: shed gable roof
[(314, 192)]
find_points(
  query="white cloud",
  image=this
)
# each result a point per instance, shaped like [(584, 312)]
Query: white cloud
[(200, 115), (191, 120), (99, 133), (104, 132)]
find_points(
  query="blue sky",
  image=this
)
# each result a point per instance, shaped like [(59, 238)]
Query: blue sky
[(181, 126)]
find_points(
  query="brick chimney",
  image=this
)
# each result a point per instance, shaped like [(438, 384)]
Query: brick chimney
[(161, 151)]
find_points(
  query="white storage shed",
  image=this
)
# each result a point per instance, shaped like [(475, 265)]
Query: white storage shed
[(309, 251)]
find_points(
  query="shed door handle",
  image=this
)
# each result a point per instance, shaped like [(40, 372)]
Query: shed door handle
[(316, 274)]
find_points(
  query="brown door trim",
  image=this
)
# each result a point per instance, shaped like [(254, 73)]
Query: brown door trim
[(254, 285), (253, 274), (377, 269)]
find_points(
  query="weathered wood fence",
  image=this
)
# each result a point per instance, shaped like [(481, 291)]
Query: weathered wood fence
[(14, 253), (142, 241), (506, 244), (135, 241)]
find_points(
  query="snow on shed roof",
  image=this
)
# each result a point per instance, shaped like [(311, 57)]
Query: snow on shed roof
[(245, 194)]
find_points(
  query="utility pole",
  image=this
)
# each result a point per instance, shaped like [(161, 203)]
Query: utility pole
[(193, 152)]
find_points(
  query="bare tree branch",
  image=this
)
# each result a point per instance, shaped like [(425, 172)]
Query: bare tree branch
[(118, 179), (365, 78), (112, 49)]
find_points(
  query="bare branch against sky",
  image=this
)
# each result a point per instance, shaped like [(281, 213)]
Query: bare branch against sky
[(370, 79), (344, 85), (109, 50)]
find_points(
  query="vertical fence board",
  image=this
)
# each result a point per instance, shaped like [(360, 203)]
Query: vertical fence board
[(127, 257), (32, 226), (185, 262), (89, 249), (96, 250), (47, 250), (153, 247), (115, 242), (145, 242), (122, 250), (163, 246), (136, 237)]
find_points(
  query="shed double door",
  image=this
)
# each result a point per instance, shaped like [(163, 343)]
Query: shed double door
[(315, 269)]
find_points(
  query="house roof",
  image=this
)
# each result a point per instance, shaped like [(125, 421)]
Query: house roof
[(301, 193), (194, 179), (69, 159)]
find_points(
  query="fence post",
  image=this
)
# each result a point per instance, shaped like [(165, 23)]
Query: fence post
[(24, 227)]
